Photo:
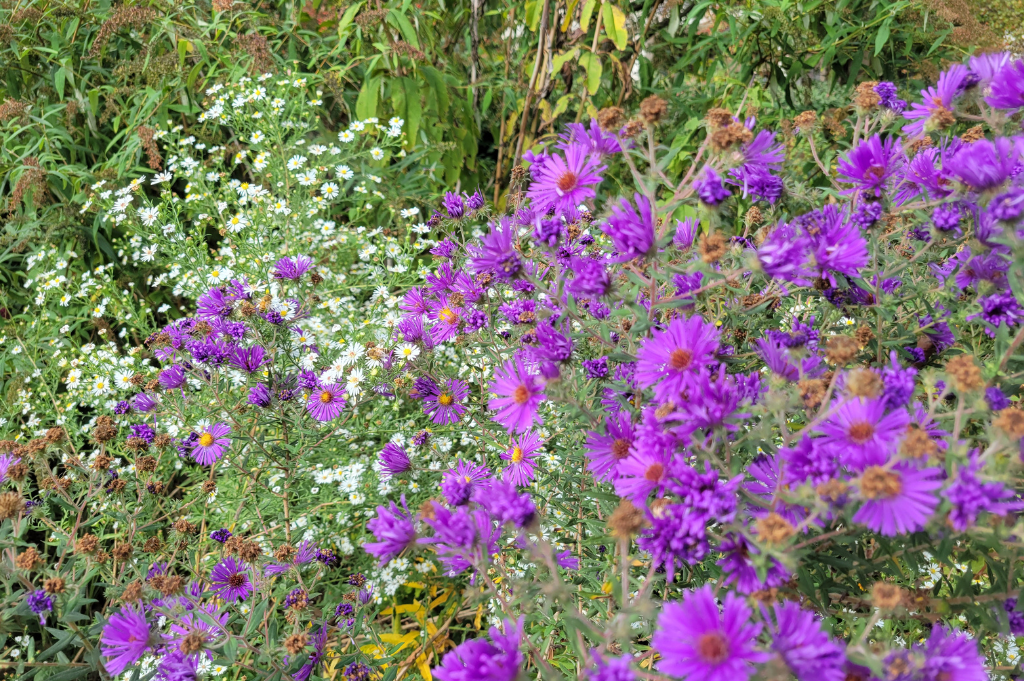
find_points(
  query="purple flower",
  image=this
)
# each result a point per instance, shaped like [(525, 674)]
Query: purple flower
[(986, 164), (970, 497), (143, 431), (898, 382), (697, 642), (998, 309), (740, 570), (476, 201), (459, 484), (445, 249), (172, 377), (220, 536), (259, 395), (519, 396), (596, 369), (863, 434), (125, 639), (6, 461), (589, 278), (229, 579), (677, 535), (593, 138), (936, 102), (292, 268), (211, 444), (448, 318), (326, 403), (1008, 206), (870, 166), (897, 500), (686, 232), (454, 205), (394, 531), (478, 660), (444, 403), (552, 345), (670, 357), (40, 604), (567, 560), (521, 459), (564, 182), (1008, 87), (887, 94), (710, 189), (996, 399), (144, 402), (808, 652), (1015, 617), (315, 658), (644, 472), (213, 304), (497, 253), (632, 233), (462, 538), (506, 504), (247, 359), (783, 255), (610, 669), (946, 655), (946, 217), (394, 460), (837, 244)]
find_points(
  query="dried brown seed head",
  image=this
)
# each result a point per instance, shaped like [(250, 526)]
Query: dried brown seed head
[(841, 350)]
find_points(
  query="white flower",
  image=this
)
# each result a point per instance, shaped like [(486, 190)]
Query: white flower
[(358, 126), (396, 122), (329, 190), (123, 379), (376, 153), (409, 212), (408, 351), (236, 223), (307, 178), (344, 172), (148, 216), (346, 136), (149, 253), (100, 386), (355, 377), (257, 137), (296, 162), (219, 274)]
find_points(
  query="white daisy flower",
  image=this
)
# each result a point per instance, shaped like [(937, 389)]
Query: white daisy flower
[(377, 153)]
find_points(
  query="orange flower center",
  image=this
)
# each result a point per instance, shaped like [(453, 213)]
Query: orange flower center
[(680, 359), (521, 395), (567, 181), (861, 432), (620, 449), (654, 472), (326, 396), (712, 647)]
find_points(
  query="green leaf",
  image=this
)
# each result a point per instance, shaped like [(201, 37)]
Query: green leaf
[(588, 10), (366, 104), (615, 26), (883, 36), (437, 84), (58, 82), (592, 63), (413, 110), (401, 22), (559, 60)]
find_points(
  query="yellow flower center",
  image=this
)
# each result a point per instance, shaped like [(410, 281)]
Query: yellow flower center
[(444, 399), (517, 455), (206, 439), (326, 396), (447, 315)]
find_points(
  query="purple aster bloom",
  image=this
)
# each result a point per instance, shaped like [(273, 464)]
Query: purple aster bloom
[(496, 252), (887, 95), (677, 535), (454, 205), (327, 558), (564, 182), (448, 318), (414, 302), (548, 232), (459, 484), (344, 610), (259, 395), (315, 658), (506, 504), (211, 444), (809, 653), (632, 233), (870, 166), (519, 396), (6, 461), (696, 641), (462, 537), (1008, 206), (739, 568), (394, 531), (122, 407), (946, 217), (589, 278), (783, 255), (970, 497), (480, 660), (326, 403), (936, 101), (296, 595), (521, 457), (172, 377), (229, 579), (863, 434), (220, 536), (984, 267), (714, 398), (292, 268), (144, 402), (567, 560), (444, 404), (394, 460), (247, 359), (1008, 87), (40, 604), (214, 303), (670, 357), (998, 309), (596, 369), (644, 472), (445, 249), (143, 431), (422, 387), (987, 66), (610, 669), (984, 165), (552, 345), (476, 201), (898, 382), (686, 232), (710, 189), (996, 399), (837, 244), (1015, 617), (899, 499), (948, 654), (866, 214), (125, 639), (595, 140)]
